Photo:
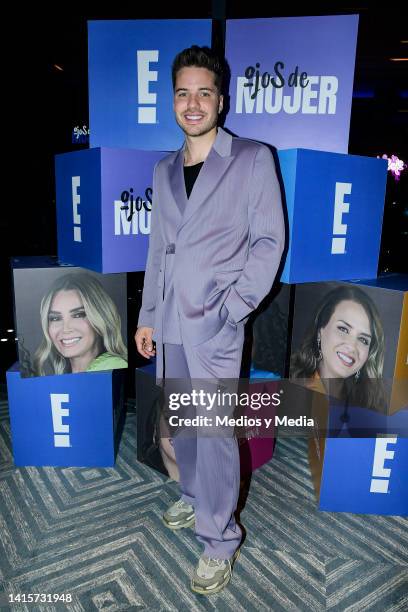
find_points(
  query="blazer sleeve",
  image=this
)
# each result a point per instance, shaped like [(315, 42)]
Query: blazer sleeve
[(266, 242), (154, 256)]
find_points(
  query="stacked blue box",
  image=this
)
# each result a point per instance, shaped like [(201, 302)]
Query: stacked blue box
[(356, 333), (66, 420), (104, 199), (66, 393), (329, 197)]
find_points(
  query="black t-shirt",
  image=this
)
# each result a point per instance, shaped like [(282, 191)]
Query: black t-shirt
[(190, 176)]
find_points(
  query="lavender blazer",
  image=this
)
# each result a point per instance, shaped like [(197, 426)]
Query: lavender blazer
[(221, 248)]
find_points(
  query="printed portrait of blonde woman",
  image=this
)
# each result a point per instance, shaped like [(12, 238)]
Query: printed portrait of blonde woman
[(81, 328)]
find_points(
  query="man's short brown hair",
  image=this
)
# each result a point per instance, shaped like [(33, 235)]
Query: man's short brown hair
[(200, 57)]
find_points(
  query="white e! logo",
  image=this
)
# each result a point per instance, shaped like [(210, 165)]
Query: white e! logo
[(339, 228), (381, 475), (146, 114), (61, 430), (76, 200)]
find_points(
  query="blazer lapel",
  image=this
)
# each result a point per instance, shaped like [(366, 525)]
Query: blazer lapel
[(177, 185), (214, 168)]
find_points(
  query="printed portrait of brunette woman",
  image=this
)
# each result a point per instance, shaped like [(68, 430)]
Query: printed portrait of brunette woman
[(81, 327), (346, 343)]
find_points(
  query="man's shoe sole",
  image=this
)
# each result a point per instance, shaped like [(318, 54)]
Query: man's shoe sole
[(180, 524), (217, 589)]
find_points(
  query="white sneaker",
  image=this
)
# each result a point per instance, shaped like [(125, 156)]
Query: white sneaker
[(179, 515), (212, 575)]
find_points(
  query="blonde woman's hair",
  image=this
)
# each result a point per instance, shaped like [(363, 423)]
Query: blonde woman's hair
[(100, 311)]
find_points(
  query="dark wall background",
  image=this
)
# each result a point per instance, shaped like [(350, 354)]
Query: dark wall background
[(45, 78)]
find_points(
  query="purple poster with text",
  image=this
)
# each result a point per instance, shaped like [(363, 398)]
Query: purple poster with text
[(292, 80)]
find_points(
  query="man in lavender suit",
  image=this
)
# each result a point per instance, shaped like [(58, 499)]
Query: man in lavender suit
[(217, 236)]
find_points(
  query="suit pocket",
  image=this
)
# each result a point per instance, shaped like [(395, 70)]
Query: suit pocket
[(225, 278)]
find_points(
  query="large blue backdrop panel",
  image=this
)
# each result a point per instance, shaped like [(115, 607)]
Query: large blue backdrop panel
[(130, 88)]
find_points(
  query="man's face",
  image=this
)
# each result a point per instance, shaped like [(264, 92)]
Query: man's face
[(196, 101)]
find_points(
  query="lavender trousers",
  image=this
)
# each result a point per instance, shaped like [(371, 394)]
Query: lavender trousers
[(209, 464)]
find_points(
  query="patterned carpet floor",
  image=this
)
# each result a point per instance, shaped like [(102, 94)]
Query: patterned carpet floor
[(97, 534)]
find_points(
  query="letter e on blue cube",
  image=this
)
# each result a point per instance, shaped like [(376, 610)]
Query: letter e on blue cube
[(365, 475), (69, 420), (335, 206)]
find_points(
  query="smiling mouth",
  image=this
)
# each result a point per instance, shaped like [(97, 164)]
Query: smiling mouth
[(193, 117), (346, 359), (70, 341)]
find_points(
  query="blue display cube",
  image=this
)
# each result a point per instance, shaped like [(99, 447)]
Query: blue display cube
[(335, 208), (69, 420), (352, 473), (46, 318), (103, 208), (365, 475), (385, 303)]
